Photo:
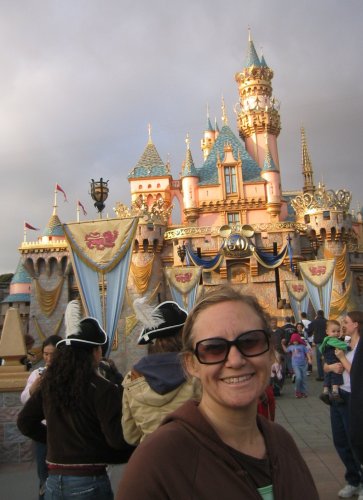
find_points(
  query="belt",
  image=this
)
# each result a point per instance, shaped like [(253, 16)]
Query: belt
[(77, 470)]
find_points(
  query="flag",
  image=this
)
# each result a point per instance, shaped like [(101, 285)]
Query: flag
[(29, 226), (58, 188), (83, 209)]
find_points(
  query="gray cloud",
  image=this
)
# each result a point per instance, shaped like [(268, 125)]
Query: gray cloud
[(80, 80)]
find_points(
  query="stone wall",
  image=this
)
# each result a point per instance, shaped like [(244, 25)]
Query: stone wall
[(14, 447)]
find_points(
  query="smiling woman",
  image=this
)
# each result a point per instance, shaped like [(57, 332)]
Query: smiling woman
[(220, 447)]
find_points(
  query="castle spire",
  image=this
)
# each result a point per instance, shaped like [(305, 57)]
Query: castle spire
[(150, 141), (252, 58), (307, 168), (224, 112)]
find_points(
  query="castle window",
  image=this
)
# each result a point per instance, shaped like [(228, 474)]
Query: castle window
[(233, 218), (230, 180), (149, 186), (307, 218), (140, 186), (158, 185), (326, 215)]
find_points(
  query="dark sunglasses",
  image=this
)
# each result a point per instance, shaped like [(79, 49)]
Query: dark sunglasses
[(215, 350)]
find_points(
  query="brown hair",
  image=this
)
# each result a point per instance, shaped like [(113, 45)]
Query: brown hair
[(332, 322), (217, 295), (171, 343), (357, 317)]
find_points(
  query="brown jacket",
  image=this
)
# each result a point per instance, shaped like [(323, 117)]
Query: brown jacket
[(186, 459)]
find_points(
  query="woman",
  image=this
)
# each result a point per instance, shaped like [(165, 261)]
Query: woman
[(356, 402), (339, 411), (220, 448), (33, 383), (83, 415), (156, 385)]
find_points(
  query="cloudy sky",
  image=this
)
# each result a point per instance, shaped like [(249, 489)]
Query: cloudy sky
[(81, 79)]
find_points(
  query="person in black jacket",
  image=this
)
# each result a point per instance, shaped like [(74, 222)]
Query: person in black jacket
[(317, 328), (83, 414), (356, 401)]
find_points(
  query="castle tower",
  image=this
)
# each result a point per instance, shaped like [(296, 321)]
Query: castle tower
[(190, 186), (271, 174), (257, 110), (307, 168), (209, 138), (47, 262)]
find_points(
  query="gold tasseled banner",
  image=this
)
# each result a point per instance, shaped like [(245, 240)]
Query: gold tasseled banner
[(40, 333), (339, 303), (341, 269), (141, 275), (48, 299)]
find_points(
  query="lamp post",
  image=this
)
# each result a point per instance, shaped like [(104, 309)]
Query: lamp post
[(99, 193)]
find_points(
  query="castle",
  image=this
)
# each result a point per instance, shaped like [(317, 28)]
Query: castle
[(235, 222)]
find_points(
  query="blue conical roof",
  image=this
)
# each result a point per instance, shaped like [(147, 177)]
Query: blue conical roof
[(150, 164), (54, 227), (189, 169), (21, 275), (209, 125), (263, 62), (252, 58)]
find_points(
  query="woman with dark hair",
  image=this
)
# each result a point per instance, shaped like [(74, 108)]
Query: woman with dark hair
[(33, 383), (157, 384), (356, 402), (340, 411), (219, 447), (83, 414)]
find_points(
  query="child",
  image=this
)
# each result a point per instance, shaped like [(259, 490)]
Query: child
[(276, 378), (301, 331), (332, 380), (300, 356)]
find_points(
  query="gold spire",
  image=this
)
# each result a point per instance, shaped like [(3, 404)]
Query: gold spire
[(150, 141), (249, 34), (224, 112), (307, 168), (187, 141)]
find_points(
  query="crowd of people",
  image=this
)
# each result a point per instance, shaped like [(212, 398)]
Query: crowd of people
[(194, 417)]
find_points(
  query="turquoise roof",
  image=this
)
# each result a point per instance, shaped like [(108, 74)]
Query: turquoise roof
[(216, 126), (263, 62), (21, 275), (251, 56), (269, 164), (150, 164), (209, 125), (54, 227), (208, 172), (17, 297), (189, 169)]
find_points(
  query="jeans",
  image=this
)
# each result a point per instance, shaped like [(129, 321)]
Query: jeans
[(339, 418), (319, 361), (61, 487), (300, 378), (42, 469)]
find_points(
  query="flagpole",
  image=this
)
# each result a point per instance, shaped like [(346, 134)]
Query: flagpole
[(77, 212), (24, 233), (55, 201)]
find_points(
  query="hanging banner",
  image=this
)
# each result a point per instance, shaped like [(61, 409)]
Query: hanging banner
[(183, 283), (318, 278), (101, 253), (298, 297)]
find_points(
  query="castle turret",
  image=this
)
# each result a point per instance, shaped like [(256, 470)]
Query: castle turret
[(257, 110), (271, 174), (190, 180), (307, 168), (209, 138)]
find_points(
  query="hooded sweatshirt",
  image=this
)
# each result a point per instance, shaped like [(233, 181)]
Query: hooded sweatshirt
[(154, 388), (186, 459)]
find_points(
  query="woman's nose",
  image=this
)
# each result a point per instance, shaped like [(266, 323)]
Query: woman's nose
[(235, 358)]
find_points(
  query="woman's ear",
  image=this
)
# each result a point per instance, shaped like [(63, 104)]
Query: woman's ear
[(191, 364)]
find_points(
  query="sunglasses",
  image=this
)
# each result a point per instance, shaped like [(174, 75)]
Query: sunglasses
[(215, 350)]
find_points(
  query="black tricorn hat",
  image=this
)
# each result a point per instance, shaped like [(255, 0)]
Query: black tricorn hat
[(164, 320), (87, 330)]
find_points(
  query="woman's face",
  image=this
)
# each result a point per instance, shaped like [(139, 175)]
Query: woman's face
[(239, 381), (48, 353), (350, 327)]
